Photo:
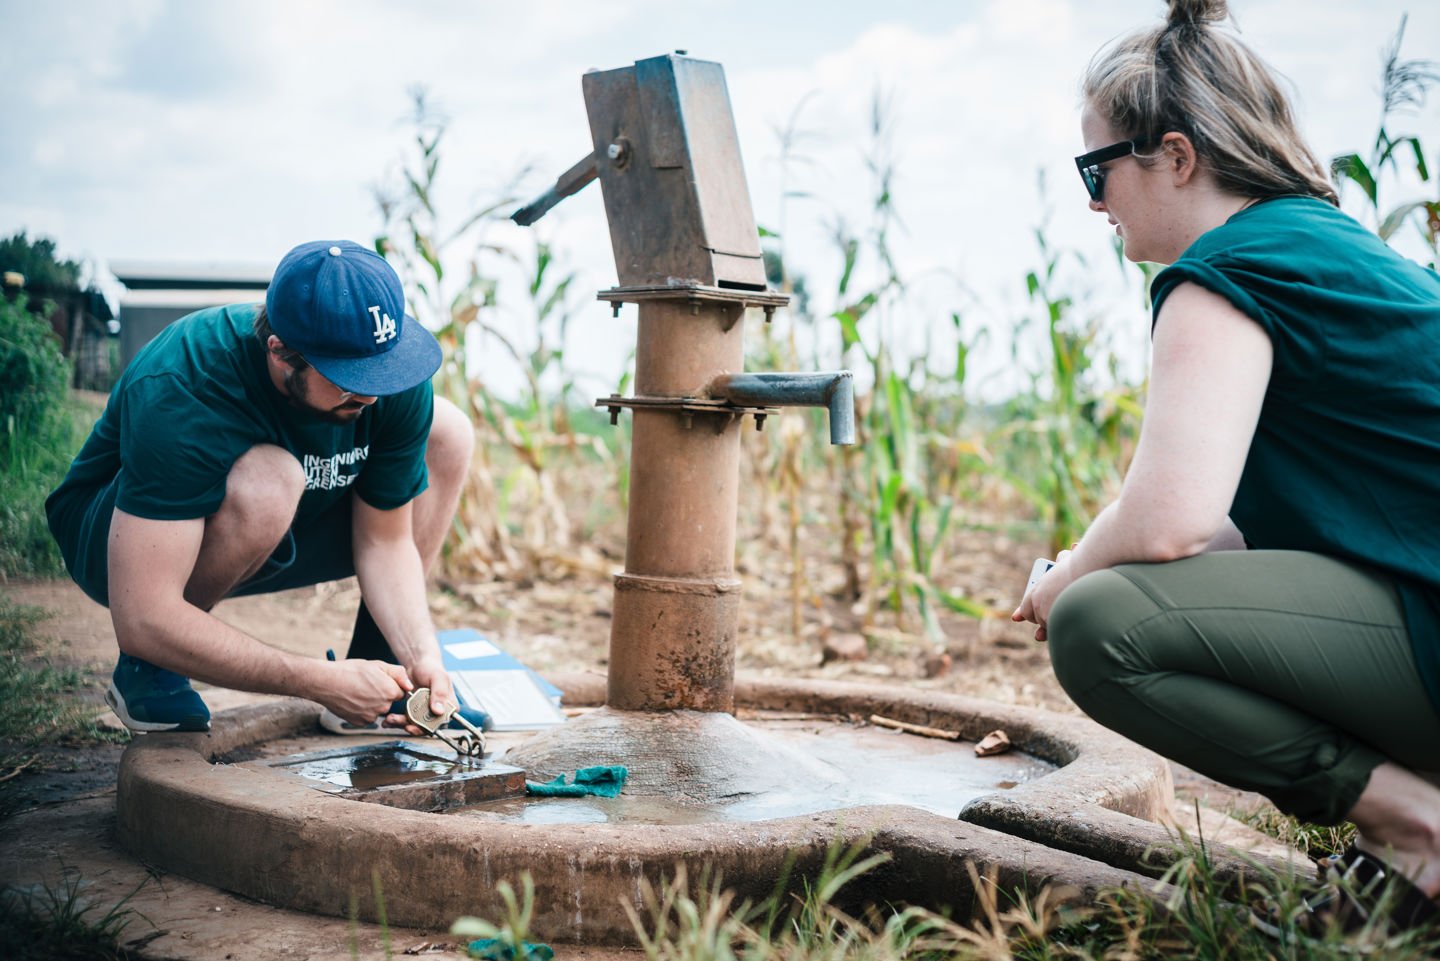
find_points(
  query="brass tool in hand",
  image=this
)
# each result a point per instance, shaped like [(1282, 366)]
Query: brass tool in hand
[(471, 739)]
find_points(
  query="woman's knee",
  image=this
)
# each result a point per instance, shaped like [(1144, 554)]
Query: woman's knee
[(1088, 626)]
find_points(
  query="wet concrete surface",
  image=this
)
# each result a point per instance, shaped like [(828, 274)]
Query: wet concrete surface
[(851, 765), (310, 849), (847, 765)]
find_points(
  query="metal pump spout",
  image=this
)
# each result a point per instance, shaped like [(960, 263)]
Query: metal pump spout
[(834, 390)]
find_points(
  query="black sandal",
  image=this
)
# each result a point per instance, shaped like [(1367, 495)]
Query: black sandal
[(1359, 897), (1359, 885)]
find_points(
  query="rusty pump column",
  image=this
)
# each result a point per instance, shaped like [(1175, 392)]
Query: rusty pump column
[(688, 254), (677, 606)]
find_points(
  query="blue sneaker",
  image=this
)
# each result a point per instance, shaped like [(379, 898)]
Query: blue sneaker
[(150, 698)]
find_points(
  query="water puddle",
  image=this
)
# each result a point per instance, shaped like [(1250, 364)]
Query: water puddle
[(870, 765), (375, 767)]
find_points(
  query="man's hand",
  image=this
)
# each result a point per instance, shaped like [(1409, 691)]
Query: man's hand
[(392, 581), (361, 691), (428, 673)]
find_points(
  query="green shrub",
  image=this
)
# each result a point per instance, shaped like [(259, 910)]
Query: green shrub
[(39, 434), (33, 374), (35, 260)]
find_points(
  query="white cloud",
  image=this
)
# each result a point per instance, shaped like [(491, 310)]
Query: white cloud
[(230, 131)]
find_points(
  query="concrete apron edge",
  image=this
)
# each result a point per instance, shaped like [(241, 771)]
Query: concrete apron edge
[(273, 838)]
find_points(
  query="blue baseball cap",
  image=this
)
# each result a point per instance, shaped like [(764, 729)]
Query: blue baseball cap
[(342, 307)]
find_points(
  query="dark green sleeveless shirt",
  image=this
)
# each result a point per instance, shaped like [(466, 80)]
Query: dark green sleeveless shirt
[(1346, 456)]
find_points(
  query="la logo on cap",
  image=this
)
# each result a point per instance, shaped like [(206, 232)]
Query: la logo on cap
[(384, 326)]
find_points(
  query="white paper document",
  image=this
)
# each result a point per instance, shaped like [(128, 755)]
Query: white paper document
[(512, 699), (466, 650)]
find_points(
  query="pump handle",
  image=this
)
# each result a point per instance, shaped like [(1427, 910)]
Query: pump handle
[(571, 181)]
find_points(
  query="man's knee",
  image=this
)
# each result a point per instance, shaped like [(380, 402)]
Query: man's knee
[(263, 488), (1088, 630), (451, 444)]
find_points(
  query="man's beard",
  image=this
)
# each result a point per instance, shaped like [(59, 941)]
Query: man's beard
[(297, 388)]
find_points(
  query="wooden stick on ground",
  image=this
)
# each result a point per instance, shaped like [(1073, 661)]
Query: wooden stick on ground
[(26, 763), (919, 729)]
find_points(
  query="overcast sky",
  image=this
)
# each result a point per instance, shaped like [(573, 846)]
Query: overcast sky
[(186, 130)]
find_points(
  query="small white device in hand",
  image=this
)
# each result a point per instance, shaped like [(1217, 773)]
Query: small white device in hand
[(1037, 570)]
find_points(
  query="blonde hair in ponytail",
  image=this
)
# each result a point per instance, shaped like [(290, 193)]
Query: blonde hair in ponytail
[(1191, 76)]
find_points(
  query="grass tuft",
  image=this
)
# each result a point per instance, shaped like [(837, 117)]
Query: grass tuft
[(58, 922), (38, 700), (1193, 914), (1315, 840)]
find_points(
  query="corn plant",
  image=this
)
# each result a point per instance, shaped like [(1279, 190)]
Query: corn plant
[(513, 514), (538, 424), (892, 488), (789, 458), (906, 517), (1404, 83), (850, 488), (1068, 439), (418, 245)]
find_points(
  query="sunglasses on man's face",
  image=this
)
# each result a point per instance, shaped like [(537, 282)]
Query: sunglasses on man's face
[(1092, 169)]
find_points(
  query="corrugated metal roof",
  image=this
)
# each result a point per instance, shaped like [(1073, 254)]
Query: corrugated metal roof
[(177, 275), (188, 297)]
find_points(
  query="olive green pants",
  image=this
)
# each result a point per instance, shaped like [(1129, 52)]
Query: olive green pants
[(1280, 672)]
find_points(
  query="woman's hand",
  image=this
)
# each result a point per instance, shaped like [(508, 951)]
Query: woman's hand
[(1035, 606)]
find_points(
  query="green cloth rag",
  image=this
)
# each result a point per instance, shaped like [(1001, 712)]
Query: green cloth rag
[(493, 949), (589, 781)]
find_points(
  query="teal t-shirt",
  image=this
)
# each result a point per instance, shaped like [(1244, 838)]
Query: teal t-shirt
[(1346, 456), (198, 396)]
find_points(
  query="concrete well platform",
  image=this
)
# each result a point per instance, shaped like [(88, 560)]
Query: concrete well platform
[(268, 835)]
